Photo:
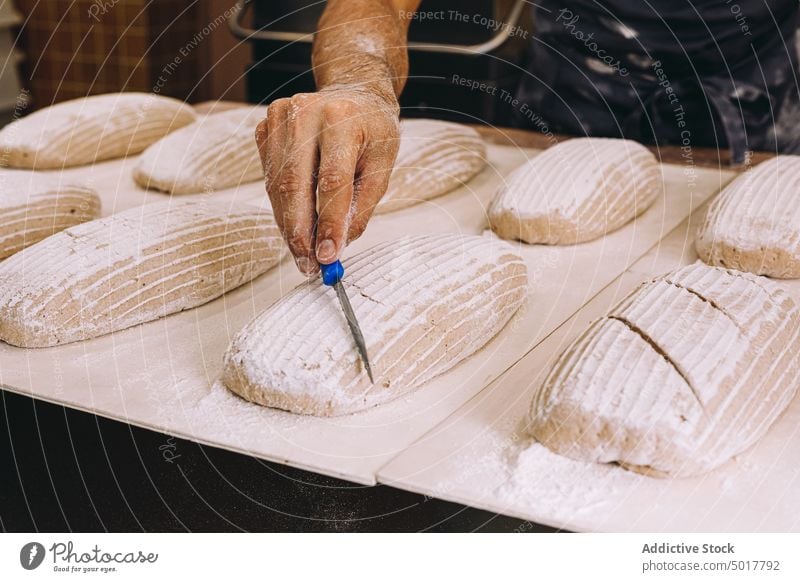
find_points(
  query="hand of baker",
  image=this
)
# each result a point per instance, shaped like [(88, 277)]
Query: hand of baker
[(327, 159)]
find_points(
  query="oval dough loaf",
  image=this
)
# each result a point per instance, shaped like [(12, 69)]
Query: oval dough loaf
[(435, 157), (686, 372), (91, 129), (424, 303), (754, 224), (213, 153), (576, 191), (130, 268), (35, 206)]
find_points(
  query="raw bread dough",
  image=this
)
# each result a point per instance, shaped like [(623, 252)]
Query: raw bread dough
[(424, 303), (576, 191), (91, 129), (754, 224), (689, 370), (435, 157), (215, 152), (130, 268), (34, 206)]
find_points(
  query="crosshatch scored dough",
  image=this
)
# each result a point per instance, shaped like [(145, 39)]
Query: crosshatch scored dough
[(35, 206), (91, 129), (216, 152), (686, 372), (576, 191), (425, 303), (754, 224), (130, 268), (435, 157)]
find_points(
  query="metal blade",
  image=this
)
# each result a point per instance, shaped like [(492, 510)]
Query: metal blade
[(354, 327)]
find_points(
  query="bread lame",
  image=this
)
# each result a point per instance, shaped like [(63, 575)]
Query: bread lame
[(332, 275)]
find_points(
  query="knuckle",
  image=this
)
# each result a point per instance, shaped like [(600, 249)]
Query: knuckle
[(273, 122), (262, 130), (337, 111), (278, 104), (298, 243), (288, 188), (276, 111), (301, 100), (330, 180), (289, 184), (333, 225), (328, 229), (367, 198)]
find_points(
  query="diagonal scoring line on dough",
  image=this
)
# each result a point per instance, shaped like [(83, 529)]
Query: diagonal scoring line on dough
[(638, 331), (705, 299)]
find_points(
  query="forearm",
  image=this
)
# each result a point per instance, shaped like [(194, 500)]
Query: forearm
[(362, 43)]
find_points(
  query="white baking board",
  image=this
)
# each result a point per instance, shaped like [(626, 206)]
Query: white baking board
[(162, 375), (476, 456)]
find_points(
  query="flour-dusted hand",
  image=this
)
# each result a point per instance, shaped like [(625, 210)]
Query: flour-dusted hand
[(328, 155), (327, 159)]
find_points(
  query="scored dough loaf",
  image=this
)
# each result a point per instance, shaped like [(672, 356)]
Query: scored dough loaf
[(216, 152), (91, 129), (435, 157), (424, 303), (35, 206), (576, 191), (130, 268), (689, 370), (754, 224)]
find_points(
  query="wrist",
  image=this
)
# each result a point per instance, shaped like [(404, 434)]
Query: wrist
[(379, 90)]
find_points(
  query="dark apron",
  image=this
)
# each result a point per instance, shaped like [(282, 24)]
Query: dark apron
[(715, 74)]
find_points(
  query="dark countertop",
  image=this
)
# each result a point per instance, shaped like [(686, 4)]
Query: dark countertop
[(65, 470)]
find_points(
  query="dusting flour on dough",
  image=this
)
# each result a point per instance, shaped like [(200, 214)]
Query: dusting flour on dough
[(576, 191), (754, 224), (130, 268), (91, 129), (213, 153), (435, 157), (432, 301), (689, 370)]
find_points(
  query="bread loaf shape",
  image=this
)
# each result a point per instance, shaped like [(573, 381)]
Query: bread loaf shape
[(435, 157), (91, 129), (576, 191), (213, 153), (689, 370), (130, 268), (34, 206), (424, 304), (754, 224)]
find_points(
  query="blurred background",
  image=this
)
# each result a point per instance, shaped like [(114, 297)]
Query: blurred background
[(254, 50)]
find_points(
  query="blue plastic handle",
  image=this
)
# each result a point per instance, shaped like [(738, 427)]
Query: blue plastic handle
[(332, 274)]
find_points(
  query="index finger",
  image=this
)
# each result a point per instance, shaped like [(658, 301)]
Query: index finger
[(340, 145)]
